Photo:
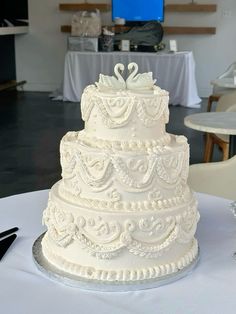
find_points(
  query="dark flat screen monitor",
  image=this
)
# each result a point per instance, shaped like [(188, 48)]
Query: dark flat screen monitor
[(138, 10), (13, 13)]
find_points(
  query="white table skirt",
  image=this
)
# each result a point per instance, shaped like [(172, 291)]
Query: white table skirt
[(210, 288), (174, 72)]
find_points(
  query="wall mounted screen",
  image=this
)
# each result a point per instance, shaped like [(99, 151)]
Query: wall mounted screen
[(138, 10)]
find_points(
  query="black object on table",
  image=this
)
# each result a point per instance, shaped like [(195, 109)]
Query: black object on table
[(8, 238)]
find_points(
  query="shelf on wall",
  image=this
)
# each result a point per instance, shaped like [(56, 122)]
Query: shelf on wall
[(191, 7), (65, 28), (188, 7), (103, 7), (168, 30), (186, 30)]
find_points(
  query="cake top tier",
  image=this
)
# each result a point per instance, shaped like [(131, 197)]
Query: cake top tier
[(119, 109)]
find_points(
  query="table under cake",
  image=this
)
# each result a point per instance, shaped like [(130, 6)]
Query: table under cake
[(208, 289)]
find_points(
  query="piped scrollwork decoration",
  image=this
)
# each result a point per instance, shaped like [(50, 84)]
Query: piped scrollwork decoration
[(104, 238), (117, 111), (99, 169)]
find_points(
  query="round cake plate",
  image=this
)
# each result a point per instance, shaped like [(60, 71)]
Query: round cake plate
[(53, 273)]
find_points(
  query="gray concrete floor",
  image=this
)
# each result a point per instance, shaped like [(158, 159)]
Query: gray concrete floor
[(31, 127)]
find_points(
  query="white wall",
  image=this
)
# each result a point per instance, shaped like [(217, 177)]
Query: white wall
[(40, 54), (212, 53)]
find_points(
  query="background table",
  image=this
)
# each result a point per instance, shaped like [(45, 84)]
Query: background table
[(215, 122), (210, 288), (174, 72)]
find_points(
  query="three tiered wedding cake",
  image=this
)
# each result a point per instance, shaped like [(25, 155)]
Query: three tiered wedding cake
[(123, 210)]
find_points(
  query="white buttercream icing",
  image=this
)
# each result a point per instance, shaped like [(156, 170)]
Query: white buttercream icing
[(123, 210)]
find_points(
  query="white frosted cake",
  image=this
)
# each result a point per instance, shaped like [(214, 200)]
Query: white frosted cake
[(123, 210)]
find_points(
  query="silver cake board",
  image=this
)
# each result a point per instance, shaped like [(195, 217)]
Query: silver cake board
[(53, 273)]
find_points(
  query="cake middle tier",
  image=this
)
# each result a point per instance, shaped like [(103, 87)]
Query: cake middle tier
[(124, 179)]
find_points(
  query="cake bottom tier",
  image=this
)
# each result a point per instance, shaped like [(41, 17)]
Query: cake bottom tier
[(119, 246)]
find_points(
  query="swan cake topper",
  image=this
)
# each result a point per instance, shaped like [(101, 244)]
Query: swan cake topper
[(141, 81)]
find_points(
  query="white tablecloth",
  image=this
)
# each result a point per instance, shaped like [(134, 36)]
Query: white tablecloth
[(174, 72), (210, 288)]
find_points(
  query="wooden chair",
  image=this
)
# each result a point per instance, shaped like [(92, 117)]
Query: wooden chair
[(219, 91), (213, 139), (226, 102), (216, 178), (212, 98)]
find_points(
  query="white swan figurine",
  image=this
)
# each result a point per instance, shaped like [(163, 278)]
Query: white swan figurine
[(142, 81), (107, 82)]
